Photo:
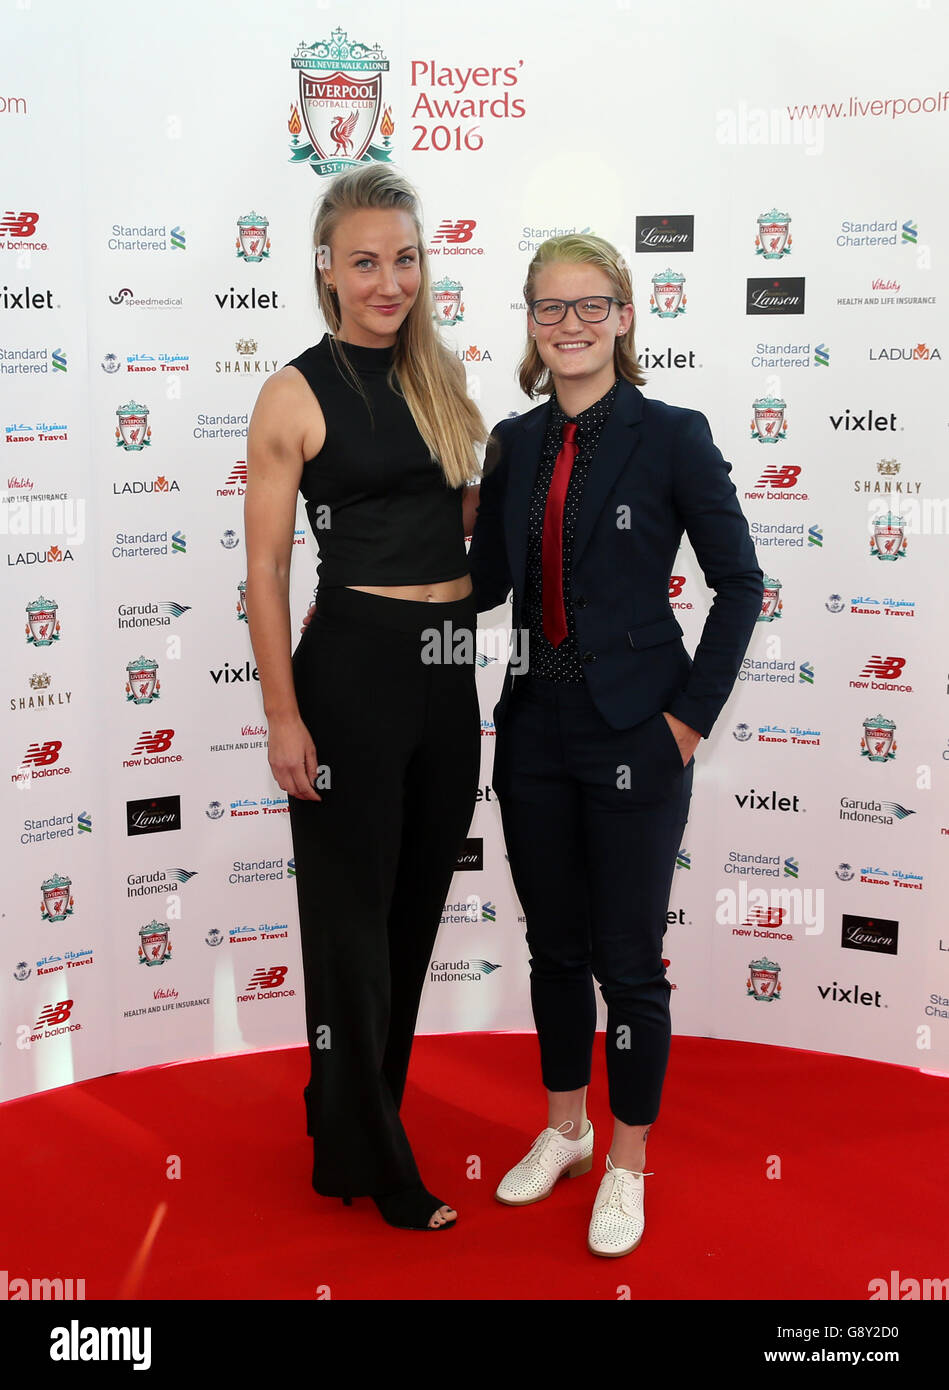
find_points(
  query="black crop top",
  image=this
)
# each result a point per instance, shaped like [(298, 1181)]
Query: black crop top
[(380, 508)]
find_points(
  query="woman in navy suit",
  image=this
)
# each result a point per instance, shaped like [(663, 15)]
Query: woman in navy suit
[(582, 507)]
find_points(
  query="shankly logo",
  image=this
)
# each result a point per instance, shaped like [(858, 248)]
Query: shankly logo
[(341, 102)]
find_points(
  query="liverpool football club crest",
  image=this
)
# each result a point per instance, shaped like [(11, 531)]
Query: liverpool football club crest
[(763, 982), (668, 295), (154, 947), (340, 102), (132, 432), (42, 625), (253, 244), (446, 301), (774, 235), (57, 902), (142, 685), (879, 739), (771, 604), (888, 541), (769, 424)]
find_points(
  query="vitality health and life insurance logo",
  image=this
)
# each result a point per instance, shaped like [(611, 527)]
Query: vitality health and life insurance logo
[(340, 97)]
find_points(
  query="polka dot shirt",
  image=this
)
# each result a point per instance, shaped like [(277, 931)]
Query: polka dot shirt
[(563, 663)]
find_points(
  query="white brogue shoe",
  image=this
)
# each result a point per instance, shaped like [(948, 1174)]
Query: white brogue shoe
[(550, 1156), (619, 1218)]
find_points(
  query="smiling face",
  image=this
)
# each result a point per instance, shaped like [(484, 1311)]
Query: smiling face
[(375, 268), (577, 352)]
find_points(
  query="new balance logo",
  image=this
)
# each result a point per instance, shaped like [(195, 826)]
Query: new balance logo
[(18, 223), (453, 231), (884, 668), (268, 977), (157, 742), (42, 754), (54, 1013), (779, 475)]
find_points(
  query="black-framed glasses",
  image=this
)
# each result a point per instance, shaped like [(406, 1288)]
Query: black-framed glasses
[(593, 308)]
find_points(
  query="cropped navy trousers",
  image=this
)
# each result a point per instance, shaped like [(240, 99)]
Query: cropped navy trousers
[(593, 821)]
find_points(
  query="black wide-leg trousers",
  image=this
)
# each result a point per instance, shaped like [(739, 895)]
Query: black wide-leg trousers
[(593, 820), (386, 688)]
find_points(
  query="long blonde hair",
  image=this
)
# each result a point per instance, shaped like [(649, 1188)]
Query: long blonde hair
[(431, 378), (533, 374)]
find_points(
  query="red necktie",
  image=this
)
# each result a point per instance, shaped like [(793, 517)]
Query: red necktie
[(555, 617)]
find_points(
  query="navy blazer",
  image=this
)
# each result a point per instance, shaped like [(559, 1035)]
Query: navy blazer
[(655, 473)]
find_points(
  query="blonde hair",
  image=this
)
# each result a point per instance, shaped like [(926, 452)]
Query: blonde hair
[(431, 378), (533, 373)]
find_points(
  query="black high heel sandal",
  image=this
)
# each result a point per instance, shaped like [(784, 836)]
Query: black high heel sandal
[(412, 1209)]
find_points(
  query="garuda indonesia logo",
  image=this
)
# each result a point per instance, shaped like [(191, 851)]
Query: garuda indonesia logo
[(341, 102)]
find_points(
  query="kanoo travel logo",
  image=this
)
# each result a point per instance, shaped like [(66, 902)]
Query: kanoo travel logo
[(341, 102)]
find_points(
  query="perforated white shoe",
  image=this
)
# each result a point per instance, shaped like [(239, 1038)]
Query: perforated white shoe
[(619, 1218), (550, 1156)]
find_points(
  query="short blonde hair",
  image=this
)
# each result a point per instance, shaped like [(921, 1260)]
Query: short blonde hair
[(576, 249)]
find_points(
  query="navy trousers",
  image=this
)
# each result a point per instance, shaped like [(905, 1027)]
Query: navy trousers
[(593, 819)]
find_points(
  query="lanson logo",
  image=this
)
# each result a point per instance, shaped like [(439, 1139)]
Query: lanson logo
[(775, 296), (671, 232)]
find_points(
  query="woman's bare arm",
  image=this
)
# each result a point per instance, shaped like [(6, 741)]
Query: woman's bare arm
[(275, 456)]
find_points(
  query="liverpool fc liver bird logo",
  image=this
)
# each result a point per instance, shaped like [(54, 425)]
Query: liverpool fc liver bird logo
[(343, 127)]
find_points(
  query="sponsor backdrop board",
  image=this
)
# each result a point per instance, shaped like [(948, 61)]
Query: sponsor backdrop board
[(785, 236)]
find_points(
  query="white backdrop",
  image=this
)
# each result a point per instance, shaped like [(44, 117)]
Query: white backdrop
[(793, 261)]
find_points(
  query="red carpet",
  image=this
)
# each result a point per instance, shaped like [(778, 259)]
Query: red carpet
[(862, 1147)]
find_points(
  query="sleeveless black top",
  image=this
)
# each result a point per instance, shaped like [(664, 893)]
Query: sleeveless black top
[(380, 508)]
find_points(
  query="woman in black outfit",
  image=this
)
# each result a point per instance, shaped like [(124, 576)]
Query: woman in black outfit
[(374, 426)]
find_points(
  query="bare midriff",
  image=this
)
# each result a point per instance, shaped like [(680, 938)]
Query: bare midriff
[(446, 592)]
